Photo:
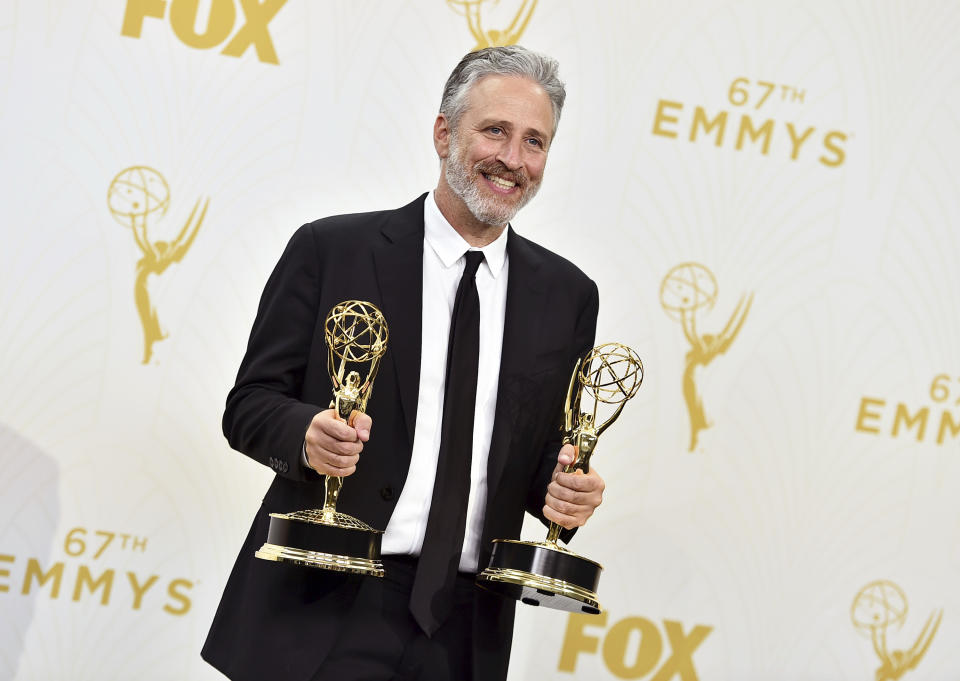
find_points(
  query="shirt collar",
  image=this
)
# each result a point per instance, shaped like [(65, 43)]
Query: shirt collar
[(450, 246)]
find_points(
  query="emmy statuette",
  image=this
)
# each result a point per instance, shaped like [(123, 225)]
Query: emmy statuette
[(545, 573), (356, 337)]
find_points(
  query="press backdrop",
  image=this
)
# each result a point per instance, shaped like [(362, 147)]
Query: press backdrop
[(765, 192)]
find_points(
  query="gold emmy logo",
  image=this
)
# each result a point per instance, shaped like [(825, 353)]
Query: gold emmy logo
[(880, 605), (493, 37), (688, 289), (136, 196)]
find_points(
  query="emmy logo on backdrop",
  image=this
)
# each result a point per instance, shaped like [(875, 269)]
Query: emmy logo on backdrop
[(493, 37), (545, 573), (137, 196), (877, 607), (356, 336), (687, 290)]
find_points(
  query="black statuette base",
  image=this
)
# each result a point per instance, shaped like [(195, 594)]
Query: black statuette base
[(541, 573), (323, 543)]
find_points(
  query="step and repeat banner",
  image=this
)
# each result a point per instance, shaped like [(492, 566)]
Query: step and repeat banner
[(767, 194)]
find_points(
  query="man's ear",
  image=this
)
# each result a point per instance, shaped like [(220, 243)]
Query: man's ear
[(441, 136)]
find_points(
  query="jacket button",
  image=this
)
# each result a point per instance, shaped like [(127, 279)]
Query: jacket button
[(386, 493)]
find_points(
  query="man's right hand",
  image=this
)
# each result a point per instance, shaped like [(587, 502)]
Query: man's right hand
[(332, 446)]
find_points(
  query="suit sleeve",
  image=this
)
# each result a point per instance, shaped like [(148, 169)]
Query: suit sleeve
[(581, 343), (264, 417)]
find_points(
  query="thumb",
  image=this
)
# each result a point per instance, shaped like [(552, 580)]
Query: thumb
[(362, 423), (567, 455)]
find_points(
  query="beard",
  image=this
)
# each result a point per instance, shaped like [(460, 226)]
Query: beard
[(484, 206)]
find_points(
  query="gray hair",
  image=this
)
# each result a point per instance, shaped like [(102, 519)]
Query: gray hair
[(511, 60)]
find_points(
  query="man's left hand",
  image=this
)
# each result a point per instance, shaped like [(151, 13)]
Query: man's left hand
[(572, 497)]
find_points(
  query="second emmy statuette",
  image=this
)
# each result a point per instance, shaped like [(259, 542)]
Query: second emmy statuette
[(545, 573), (356, 337)]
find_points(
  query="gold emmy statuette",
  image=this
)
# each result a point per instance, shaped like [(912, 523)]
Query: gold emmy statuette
[(356, 336), (545, 573)]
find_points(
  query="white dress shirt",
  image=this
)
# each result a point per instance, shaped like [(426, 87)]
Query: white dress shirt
[(443, 264)]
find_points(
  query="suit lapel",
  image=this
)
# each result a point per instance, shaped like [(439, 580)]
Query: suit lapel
[(399, 267), (524, 310)]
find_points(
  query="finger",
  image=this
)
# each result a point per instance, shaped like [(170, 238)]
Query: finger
[(331, 463), (334, 461), (337, 448), (565, 521), (567, 455), (569, 509), (569, 495), (339, 430), (326, 469), (319, 441), (362, 423), (327, 423), (580, 482), (322, 437)]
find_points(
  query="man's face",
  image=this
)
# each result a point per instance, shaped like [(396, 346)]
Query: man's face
[(498, 151)]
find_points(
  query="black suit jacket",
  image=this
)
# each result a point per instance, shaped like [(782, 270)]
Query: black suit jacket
[(273, 619)]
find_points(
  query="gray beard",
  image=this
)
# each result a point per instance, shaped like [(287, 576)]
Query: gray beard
[(464, 183)]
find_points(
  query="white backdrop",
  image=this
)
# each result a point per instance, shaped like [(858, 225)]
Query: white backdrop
[(817, 509)]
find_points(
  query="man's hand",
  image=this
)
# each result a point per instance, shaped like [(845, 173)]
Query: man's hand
[(572, 497), (332, 446)]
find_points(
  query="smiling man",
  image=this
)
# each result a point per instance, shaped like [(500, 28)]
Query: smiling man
[(486, 142), (484, 329)]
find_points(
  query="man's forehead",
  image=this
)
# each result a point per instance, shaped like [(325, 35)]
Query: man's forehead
[(493, 84), (517, 93)]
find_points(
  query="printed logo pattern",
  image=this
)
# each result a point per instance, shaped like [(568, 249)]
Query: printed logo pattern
[(136, 196), (881, 605), (686, 291), (472, 10)]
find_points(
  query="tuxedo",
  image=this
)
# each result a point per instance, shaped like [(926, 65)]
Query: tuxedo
[(276, 621)]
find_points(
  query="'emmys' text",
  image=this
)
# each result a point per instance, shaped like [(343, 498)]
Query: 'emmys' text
[(84, 582), (932, 422), (673, 119)]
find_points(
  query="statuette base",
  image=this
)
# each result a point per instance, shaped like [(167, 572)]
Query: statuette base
[(348, 544), (543, 574)]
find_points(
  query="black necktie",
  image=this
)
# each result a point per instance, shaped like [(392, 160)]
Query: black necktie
[(431, 599)]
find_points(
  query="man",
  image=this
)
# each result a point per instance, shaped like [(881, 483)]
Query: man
[(442, 492)]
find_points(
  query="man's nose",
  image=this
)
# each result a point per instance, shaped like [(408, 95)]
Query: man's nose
[(511, 153)]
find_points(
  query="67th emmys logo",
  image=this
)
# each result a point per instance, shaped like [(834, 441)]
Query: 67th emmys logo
[(879, 606), (687, 291), (493, 37), (674, 119), (136, 196)]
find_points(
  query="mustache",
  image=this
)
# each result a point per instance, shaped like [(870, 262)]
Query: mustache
[(497, 168)]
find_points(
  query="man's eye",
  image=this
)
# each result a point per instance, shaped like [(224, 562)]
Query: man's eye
[(533, 141), (495, 130)]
